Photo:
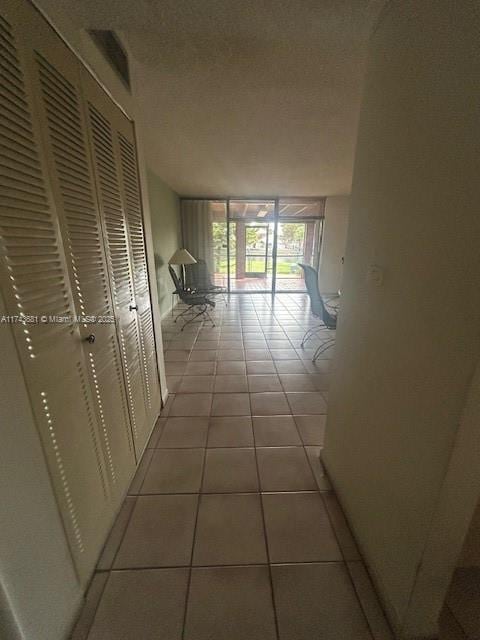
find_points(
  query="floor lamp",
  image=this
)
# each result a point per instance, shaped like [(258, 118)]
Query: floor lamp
[(182, 257)]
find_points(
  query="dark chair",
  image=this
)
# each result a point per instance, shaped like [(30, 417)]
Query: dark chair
[(319, 310), (199, 280), (197, 303)]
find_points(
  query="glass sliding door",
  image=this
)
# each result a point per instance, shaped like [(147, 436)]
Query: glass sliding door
[(298, 240), (251, 242), (254, 245)]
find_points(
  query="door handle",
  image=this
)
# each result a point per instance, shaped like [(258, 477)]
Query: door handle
[(133, 307), (90, 338)]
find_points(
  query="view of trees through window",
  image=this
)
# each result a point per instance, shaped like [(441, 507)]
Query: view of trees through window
[(290, 247)]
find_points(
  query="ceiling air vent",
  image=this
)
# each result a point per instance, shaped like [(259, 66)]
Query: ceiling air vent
[(113, 51)]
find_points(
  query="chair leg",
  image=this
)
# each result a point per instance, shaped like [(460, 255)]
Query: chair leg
[(323, 347), (194, 316), (309, 333), (209, 317), (185, 311)]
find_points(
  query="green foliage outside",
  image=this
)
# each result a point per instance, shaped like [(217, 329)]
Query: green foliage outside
[(290, 242)]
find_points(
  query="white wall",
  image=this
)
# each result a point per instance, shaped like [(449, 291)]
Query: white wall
[(166, 234), (334, 242), (38, 583), (407, 347)]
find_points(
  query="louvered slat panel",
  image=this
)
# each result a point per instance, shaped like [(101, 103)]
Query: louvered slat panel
[(134, 213), (112, 209), (35, 281), (84, 240), (64, 118), (28, 238), (118, 262), (106, 373)]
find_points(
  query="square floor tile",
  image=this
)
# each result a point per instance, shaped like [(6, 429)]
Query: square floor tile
[(297, 382), (176, 356), (230, 383), (280, 343), (196, 384), (321, 381), (311, 429), (230, 470), (205, 345), (229, 530), (230, 603), (284, 469), (260, 367), (257, 354), (174, 471), (230, 354), (317, 601), (264, 383), (160, 532), (269, 404), (307, 403), (290, 366), (230, 431), (200, 368), (203, 356), (191, 404), (231, 367), (298, 528), (231, 404), (253, 343), (184, 432), (319, 366), (230, 344), (275, 431), (284, 354), (147, 604), (175, 368)]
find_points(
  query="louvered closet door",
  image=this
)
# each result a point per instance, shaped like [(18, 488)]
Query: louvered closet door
[(56, 75), (103, 118), (136, 233), (35, 281)]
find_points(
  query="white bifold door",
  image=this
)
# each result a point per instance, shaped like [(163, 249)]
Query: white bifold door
[(74, 274)]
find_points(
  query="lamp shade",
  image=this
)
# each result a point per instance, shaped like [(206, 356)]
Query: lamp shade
[(182, 256)]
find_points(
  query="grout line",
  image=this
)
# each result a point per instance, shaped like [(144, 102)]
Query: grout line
[(194, 535), (227, 566), (277, 631)]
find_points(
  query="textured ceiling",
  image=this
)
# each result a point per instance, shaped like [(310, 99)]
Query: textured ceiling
[(244, 97)]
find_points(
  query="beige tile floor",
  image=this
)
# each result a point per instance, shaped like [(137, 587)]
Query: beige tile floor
[(231, 530)]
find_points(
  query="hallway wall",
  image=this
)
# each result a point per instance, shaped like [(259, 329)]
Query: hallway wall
[(408, 335), (334, 241), (166, 234)]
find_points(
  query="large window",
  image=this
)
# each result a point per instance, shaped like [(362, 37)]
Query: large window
[(255, 244)]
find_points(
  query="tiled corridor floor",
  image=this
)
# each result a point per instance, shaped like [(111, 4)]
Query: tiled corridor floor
[(231, 530)]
